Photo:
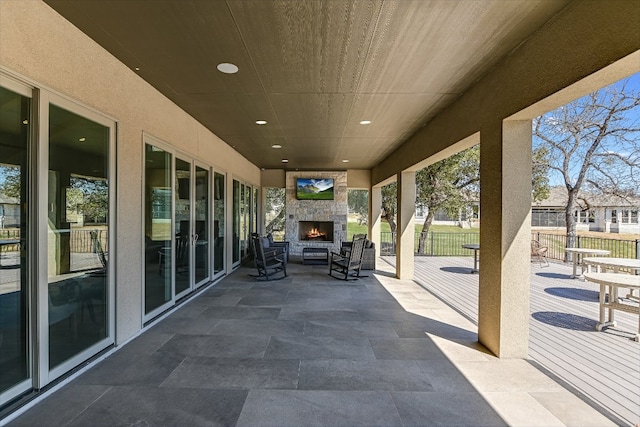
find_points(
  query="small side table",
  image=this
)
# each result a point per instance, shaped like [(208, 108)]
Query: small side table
[(476, 248), (315, 256)]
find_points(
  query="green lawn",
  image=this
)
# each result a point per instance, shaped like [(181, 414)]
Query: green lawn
[(355, 228), (442, 239)]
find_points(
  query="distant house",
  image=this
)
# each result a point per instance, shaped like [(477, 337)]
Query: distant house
[(467, 217), (9, 212), (611, 214)]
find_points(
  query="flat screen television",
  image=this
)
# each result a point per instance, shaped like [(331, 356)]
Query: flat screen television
[(314, 188)]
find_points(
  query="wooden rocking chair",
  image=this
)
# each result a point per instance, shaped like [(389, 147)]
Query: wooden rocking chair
[(269, 262), (350, 261)]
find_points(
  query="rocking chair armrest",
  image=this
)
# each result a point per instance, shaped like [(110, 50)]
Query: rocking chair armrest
[(338, 256), (271, 253)]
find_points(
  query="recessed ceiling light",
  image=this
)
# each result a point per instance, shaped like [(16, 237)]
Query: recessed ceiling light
[(25, 122), (345, 161), (227, 68), (137, 68), (285, 160), (365, 122), (261, 122), (83, 139), (276, 146)]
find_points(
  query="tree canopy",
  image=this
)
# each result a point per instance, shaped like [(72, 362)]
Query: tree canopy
[(593, 144)]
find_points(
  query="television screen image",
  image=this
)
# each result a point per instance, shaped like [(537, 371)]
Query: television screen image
[(314, 188)]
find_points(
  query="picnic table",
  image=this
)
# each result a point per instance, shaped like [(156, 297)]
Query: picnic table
[(583, 251), (609, 284), (602, 263)]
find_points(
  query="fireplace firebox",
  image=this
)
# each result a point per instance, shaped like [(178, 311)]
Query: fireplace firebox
[(315, 231)]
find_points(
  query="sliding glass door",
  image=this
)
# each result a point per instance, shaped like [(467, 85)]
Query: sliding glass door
[(183, 226), (158, 219), (219, 207), (57, 193), (15, 207), (202, 232), (177, 226), (78, 217)]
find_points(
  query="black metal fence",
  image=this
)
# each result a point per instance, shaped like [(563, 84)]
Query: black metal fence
[(450, 244), (80, 240), (617, 248)]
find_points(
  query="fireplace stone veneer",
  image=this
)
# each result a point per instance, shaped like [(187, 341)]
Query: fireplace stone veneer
[(333, 212)]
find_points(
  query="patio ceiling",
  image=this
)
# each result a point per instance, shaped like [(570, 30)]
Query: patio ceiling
[(312, 69)]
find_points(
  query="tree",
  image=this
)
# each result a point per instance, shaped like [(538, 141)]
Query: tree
[(593, 143), (453, 184), (450, 185), (389, 203), (274, 207), (540, 189), (358, 201)]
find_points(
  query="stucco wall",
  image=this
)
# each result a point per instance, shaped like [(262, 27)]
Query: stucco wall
[(40, 47)]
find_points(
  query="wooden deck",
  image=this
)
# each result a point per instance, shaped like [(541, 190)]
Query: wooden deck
[(602, 367)]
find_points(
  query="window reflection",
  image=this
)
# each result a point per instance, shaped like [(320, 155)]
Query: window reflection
[(201, 236), (158, 208), (218, 222), (14, 141), (78, 246)]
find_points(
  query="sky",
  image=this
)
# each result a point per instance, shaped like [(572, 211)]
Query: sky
[(632, 85)]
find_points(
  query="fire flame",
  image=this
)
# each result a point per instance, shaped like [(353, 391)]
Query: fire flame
[(315, 233)]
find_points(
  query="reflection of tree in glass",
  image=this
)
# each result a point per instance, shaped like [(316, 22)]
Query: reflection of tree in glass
[(161, 203), (89, 197), (10, 185)]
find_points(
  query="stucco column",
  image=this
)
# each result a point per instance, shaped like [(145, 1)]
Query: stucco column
[(406, 229), (505, 234), (375, 216)]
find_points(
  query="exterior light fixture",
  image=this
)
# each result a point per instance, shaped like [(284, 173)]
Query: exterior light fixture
[(345, 161), (276, 146), (285, 160), (227, 68), (365, 122), (83, 139), (261, 122)]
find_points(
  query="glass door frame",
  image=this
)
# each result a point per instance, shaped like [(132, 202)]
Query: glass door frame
[(148, 139), (44, 375), (31, 308), (193, 162), (244, 212), (225, 218), (209, 194), (191, 245)]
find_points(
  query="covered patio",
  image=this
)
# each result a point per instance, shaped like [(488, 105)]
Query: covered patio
[(311, 350)]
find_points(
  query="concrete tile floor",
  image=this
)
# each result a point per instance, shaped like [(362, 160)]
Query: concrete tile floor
[(310, 350)]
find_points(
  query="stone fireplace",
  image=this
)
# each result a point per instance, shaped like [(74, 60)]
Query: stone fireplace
[(316, 231), (316, 223)]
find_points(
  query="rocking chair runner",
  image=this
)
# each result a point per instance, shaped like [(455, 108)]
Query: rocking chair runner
[(350, 261), (267, 261)]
